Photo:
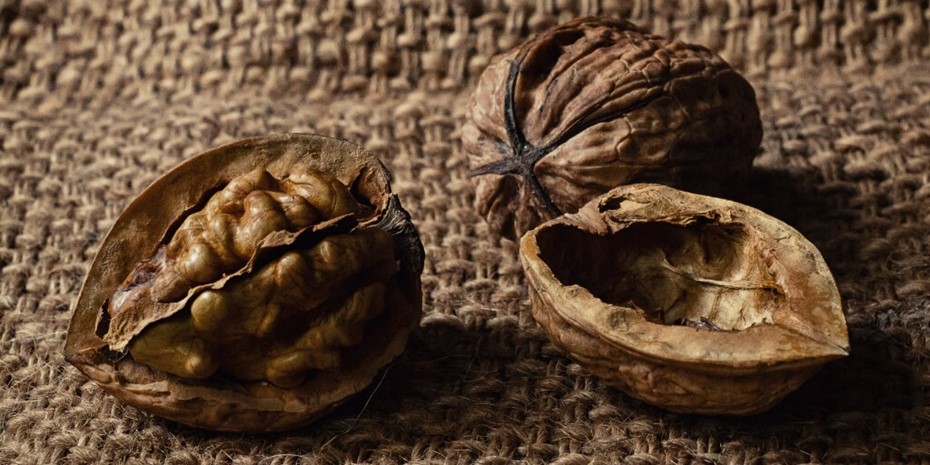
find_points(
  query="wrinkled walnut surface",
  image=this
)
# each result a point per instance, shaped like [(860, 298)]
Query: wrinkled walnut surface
[(286, 277), (224, 235), (692, 303), (288, 318), (596, 103)]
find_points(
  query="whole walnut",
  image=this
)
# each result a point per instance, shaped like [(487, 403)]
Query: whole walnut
[(597, 103), (252, 288)]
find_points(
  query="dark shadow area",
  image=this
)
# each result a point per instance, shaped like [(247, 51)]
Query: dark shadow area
[(822, 213), (875, 376)]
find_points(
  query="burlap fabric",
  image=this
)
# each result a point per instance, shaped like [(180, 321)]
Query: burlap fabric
[(97, 98)]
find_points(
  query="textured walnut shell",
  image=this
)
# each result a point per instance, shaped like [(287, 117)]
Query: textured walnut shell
[(101, 344), (597, 103), (688, 302)]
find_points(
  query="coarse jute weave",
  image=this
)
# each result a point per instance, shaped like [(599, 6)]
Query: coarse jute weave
[(98, 98)]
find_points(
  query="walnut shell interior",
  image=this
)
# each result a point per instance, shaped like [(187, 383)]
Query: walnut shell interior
[(254, 287), (702, 274), (688, 302)]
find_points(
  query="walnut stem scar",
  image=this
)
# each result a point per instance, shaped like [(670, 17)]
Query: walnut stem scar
[(523, 156)]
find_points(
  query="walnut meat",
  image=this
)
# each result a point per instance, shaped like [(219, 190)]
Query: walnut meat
[(597, 103), (688, 302), (253, 288)]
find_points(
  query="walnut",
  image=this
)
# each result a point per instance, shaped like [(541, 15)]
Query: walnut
[(253, 288), (597, 103), (692, 303)]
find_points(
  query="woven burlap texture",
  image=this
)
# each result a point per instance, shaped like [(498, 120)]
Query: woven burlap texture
[(98, 98)]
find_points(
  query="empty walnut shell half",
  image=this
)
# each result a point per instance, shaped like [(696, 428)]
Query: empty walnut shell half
[(691, 303), (597, 103), (254, 287)]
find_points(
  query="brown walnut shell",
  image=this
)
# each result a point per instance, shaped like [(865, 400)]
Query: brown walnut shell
[(596, 103), (688, 302), (254, 287)]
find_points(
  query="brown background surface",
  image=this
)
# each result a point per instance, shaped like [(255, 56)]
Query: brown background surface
[(97, 98)]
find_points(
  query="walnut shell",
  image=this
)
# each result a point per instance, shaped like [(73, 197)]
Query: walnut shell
[(254, 287), (688, 302), (596, 103)]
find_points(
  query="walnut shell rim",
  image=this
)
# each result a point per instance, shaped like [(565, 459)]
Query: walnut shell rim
[(223, 404), (677, 367)]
